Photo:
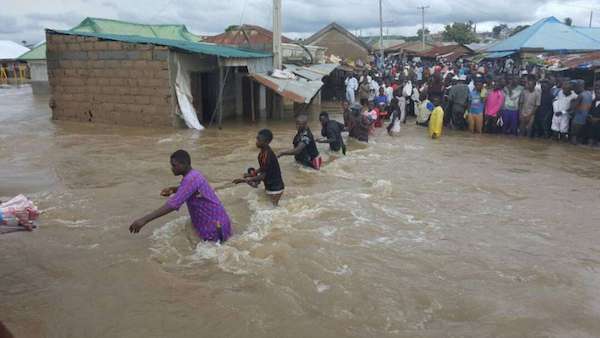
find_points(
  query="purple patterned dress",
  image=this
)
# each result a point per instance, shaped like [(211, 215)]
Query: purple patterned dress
[(206, 211)]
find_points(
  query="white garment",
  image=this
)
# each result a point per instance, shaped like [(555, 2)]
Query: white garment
[(389, 93), (424, 112), (351, 87), (351, 83), (402, 106), (562, 104), (373, 89), (407, 89), (395, 130)]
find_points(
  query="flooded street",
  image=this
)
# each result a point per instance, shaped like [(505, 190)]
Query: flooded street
[(466, 236)]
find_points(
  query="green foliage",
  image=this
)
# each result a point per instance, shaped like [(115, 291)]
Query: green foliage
[(460, 32), (498, 29), (420, 33)]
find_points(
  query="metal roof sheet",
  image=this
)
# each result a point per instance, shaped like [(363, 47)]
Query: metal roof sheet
[(10, 50), (314, 72), (192, 47), (549, 35), (301, 89)]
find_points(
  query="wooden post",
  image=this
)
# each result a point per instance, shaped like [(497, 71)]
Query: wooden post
[(220, 102), (277, 34), (252, 110)]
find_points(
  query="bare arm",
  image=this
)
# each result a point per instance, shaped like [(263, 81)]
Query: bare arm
[(140, 223), (166, 192), (293, 152), (251, 179)]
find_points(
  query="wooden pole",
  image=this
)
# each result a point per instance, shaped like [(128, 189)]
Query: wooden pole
[(277, 63), (221, 86)]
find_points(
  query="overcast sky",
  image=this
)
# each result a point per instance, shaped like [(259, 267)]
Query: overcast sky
[(26, 19)]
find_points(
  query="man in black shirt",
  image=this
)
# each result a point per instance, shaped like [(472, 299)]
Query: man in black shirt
[(305, 149), (359, 124), (543, 116), (332, 133), (269, 172)]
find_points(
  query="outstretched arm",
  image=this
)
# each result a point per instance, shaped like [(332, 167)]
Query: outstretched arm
[(293, 152), (136, 226), (251, 179)]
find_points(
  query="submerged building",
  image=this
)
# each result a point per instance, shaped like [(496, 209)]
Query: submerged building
[(36, 57), (145, 81)]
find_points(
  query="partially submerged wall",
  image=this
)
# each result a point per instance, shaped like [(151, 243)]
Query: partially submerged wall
[(39, 77), (108, 81)]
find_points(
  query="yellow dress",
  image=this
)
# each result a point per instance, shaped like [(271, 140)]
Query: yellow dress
[(436, 122)]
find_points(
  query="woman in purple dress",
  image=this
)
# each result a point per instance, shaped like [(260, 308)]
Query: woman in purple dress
[(206, 211)]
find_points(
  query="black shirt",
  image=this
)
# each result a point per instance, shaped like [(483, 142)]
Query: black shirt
[(333, 131), (310, 151), (359, 128), (546, 101), (269, 165), (595, 111)]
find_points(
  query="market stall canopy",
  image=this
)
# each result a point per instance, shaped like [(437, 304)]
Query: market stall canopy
[(450, 52), (573, 61), (548, 35), (10, 50), (297, 83)]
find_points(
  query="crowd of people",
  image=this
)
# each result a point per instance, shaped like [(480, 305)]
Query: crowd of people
[(482, 98), (461, 96)]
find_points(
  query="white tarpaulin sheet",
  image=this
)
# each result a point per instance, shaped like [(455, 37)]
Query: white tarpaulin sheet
[(184, 97)]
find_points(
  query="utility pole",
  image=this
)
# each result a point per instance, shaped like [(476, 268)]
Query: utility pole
[(423, 8), (277, 34), (591, 16), (381, 32)]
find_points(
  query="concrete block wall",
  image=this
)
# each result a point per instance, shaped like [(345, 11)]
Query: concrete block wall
[(340, 45), (108, 82)]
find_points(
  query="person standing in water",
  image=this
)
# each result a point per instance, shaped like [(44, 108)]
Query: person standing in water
[(332, 133), (208, 215), (305, 149), (269, 172)]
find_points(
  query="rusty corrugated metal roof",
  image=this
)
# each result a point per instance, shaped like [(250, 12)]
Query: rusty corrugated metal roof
[(251, 36)]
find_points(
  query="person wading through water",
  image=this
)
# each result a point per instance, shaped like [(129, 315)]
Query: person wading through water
[(208, 215), (332, 133), (305, 149)]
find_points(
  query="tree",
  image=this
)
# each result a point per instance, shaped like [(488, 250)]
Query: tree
[(568, 21), (420, 33), (518, 29), (460, 32), (232, 28), (497, 30)]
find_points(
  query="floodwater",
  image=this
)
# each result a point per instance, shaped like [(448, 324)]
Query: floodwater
[(467, 236)]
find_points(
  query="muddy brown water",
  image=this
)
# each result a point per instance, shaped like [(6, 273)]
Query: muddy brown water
[(467, 236)]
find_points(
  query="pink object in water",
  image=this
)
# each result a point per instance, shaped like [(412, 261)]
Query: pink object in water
[(19, 211)]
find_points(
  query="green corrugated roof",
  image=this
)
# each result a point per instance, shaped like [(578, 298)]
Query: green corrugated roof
[(193, 47), (108, 26), (36, 53)]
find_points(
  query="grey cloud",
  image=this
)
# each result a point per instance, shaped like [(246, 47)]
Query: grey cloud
[(9, 25), (300, 16)]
